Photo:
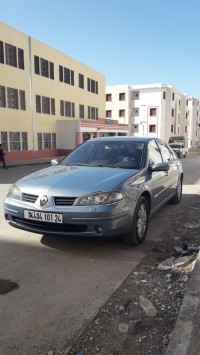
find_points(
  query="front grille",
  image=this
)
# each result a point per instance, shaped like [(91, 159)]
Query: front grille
[(52, 227), (29, 198), (64, 201)]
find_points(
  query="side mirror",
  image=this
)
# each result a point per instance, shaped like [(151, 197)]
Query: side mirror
[(55, 162), (160, 167)]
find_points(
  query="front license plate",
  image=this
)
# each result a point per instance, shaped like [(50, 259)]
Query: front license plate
[(43, 216)]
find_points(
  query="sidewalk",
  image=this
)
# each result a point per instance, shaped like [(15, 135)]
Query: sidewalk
[(32, 161), (185, 338)]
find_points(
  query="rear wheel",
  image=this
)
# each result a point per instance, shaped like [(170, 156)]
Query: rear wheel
[(177, 198), (140, 223)]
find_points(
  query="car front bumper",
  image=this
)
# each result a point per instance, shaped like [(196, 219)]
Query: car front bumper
[(88, 221)]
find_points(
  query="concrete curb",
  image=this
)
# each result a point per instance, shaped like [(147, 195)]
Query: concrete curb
[(185, 338)]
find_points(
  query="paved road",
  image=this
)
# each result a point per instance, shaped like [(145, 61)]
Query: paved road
[(63, 281)]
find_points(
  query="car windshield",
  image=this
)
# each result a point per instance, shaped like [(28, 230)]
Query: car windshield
[(116, 154)]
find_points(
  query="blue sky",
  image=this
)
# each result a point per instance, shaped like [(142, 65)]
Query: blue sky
[(131, 42)]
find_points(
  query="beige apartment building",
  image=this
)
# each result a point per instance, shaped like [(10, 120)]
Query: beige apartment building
[(49, 102)]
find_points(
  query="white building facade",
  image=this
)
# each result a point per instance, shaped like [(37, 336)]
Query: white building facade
[(155, 110)]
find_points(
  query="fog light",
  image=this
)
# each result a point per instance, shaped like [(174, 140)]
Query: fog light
[(99, 229)]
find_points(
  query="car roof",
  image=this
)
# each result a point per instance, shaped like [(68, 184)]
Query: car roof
[(126, 138)]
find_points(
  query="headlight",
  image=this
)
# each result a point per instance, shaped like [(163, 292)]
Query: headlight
[(15, 193), (101, 198)]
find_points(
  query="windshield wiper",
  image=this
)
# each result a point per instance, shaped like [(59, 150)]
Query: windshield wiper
[(78, 164)]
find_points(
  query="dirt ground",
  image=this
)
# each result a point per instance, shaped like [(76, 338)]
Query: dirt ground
[(122, 327)]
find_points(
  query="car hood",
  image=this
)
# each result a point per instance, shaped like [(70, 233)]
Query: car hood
[(74, 180)]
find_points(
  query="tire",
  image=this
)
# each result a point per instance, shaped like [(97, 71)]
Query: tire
[(177, 198), (140, 223)]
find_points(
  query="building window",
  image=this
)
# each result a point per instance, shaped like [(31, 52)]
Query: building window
[(153, 111), (121, 113), (164, 95), (1, 53), (62, 107), (186, 102), (173, 95), (179, 102), (20, 58), (15, 143), (186, 115), (172, 112), (122, 96), (24, 141), (46, 105), (51, 70), (81, 81), (44, 65), (37, 65), (108, 97), (73, 109), (172, 128), (109, 113), (39, 138), (11, 55), (67, 109), (2, 96), (60, 73), (22, 101), (38, 103), (47, 140), (12, 98), (53, 140), (81, 111), (152, 128), (4, 140), (66, 76), (185, 129), (92, 86), (93, 111), (53, 110)]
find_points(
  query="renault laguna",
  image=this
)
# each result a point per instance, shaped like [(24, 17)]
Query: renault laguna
[(106, 187)]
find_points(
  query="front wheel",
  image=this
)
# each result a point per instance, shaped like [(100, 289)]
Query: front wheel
[(140, 223)]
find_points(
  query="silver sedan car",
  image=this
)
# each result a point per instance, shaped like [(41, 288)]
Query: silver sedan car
[(105, 187)]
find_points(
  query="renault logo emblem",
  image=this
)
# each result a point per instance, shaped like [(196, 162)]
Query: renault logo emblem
[(43, 200)]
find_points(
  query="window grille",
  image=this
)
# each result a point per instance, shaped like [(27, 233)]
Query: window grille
[(2, 96), (47, 140), (22, 100), (11, 55), (81, 111), (24, 141), (12, 98), (15, 143), (46, 105), (39, 138)]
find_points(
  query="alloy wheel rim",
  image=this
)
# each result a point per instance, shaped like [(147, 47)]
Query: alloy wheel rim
[(141, 220)]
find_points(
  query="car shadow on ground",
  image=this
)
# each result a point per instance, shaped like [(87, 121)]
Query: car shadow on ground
[(96, 248)]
